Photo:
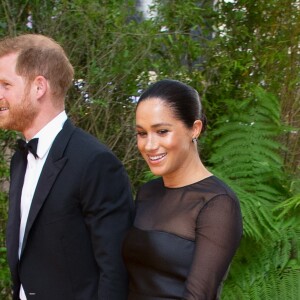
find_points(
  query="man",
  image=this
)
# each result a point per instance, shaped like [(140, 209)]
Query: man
[(70, 211)]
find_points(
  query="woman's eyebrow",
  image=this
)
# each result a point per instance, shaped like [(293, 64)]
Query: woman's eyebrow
[(155, 125)]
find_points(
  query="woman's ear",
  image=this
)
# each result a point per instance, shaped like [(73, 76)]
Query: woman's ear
[(197, 127)]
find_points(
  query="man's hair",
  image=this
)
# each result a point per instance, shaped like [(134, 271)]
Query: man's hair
[(39, 55)]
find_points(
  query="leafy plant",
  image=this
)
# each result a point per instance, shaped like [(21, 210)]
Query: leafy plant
[(243, 57), (246, 154), (7, 139)]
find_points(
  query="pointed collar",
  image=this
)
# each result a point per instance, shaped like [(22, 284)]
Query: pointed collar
[(48, 133)]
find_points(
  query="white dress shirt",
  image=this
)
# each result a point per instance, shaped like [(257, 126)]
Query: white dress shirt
[(34, 168)]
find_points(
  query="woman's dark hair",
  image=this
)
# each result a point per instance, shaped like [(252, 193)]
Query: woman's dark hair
[(181, 98)]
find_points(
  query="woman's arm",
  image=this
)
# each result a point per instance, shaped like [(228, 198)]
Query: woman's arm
[(218, 234)]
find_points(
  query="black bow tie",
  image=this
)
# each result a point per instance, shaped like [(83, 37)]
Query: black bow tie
[(31, 146)]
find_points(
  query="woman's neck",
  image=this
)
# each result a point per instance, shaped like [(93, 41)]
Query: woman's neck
[(188, 174)]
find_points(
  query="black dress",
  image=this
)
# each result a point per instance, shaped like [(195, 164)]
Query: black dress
[(183, 240)]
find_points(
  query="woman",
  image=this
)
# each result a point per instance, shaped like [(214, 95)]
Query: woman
[(188, 223)]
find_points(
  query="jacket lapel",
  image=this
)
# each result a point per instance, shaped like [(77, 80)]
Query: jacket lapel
[(17, 171), (53, 165)]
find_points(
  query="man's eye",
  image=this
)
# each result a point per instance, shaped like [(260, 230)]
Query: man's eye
[(5, 84)]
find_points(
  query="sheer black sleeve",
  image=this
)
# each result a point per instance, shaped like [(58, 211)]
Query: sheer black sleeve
[(218, 233)]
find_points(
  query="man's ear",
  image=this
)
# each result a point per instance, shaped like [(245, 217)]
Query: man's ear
[(40, 84)]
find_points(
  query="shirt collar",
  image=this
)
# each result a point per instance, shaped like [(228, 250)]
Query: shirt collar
[(48, 133)]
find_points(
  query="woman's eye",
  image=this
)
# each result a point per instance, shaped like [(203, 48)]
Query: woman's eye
[(163, 131), (140, 133)]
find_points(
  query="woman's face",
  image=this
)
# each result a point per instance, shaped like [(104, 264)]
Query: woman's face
[(163, 140)]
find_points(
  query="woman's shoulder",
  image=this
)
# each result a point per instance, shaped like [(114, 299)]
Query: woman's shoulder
[(214, 186)]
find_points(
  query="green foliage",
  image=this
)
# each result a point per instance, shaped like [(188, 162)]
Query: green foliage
[(4, 271), (6, 141), (289, 207), (264, 270), (257, 44), (245, 154), (243, 57)]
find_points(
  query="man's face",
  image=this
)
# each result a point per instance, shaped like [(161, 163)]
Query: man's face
[(17, 110)]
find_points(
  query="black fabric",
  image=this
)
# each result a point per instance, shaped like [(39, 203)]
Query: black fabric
[(183, 240), (80, 213), (31, 146)]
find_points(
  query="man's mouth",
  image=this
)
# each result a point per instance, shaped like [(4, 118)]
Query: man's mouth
[(3, 108)]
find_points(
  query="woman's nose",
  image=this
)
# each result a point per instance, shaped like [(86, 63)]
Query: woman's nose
[(151, 143)]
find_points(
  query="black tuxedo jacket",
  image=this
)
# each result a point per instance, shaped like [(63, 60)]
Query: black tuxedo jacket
[(80, 212)]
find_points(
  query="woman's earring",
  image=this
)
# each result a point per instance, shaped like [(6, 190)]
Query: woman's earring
[(194, 140)]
